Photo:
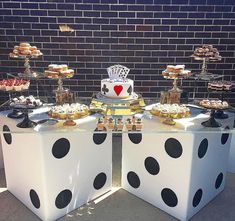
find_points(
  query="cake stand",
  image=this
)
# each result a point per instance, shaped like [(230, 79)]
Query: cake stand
[(25, 109), (204, 74), (219, 114), (15, 114), (211, 122), (175, 87), (60, 89), (28, 72)]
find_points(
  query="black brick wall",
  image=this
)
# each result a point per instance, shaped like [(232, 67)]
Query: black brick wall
[(144, 35)]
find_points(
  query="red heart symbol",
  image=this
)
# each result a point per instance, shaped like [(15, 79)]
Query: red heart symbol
[(118, 89)]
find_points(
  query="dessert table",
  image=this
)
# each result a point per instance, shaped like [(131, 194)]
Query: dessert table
[(54, 169), (1, 156), (231, 162)]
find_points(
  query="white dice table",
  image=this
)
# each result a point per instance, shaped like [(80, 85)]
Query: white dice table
[(231, 162), (176, 171), (54, 171)]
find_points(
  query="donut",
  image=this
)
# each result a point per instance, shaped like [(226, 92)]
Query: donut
[(24, 44)]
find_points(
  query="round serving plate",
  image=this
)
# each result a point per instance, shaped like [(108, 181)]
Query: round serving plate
[(206, 58)]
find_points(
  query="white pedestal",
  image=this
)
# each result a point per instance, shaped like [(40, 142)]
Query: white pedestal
[(1, 156), (179, 171), (54, 172), (231, 162)]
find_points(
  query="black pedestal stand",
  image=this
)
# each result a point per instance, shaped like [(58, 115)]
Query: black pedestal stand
[(15, 114), (211, 122), (26, 123)]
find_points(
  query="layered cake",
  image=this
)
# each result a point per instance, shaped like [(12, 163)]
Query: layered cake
[(176, 71), (117, 85), (214, 104), (59, 70), (221, 86), (14, 85), (26, 102), (207, 51), (25, 49)]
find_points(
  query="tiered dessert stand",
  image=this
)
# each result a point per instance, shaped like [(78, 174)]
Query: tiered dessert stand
[(204, 74), (28, 72)]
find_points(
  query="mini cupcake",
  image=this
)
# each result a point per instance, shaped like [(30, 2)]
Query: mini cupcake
[(111, 124)]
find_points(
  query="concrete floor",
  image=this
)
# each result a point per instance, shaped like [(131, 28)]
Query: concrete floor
[(121, 206)]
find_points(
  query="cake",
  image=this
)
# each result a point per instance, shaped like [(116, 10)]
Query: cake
[(28, 102), (214, 104), (221, 86), (207, 51), (176, 71), (25, 49), (117, 85), (14, 84), (59, 70)]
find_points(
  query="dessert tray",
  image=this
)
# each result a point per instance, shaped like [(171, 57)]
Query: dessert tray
[(14, 85), (213, 106), (69, 113), (25, 104), (170, 112), (26, 52), (119, 124), (205, 53), (107, 106)]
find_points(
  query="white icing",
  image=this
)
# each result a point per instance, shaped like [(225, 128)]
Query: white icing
[(125, 84)]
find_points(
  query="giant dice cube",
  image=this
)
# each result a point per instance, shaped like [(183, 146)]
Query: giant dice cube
[(176, 172), (55, 173)]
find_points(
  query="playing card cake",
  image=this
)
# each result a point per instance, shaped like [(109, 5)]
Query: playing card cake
[(117, 85)]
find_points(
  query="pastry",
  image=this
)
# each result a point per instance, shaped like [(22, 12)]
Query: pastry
[(25, 49), (170, 110), (59, 70), (111, 123), (70, 111), (214, 104), (207, 51), (14, 84), (176, 71), (29, 102)]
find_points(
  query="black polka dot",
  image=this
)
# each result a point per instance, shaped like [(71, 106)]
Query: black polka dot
[(225, 136), (100, 181), (202, 148), (99, 138), (133, 179), (135, 138), (173, 148), (61, 148), (219, 180), (34, 199), (169, 197), (7, 136), (63, 199), (197, 197), (151, 165)]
